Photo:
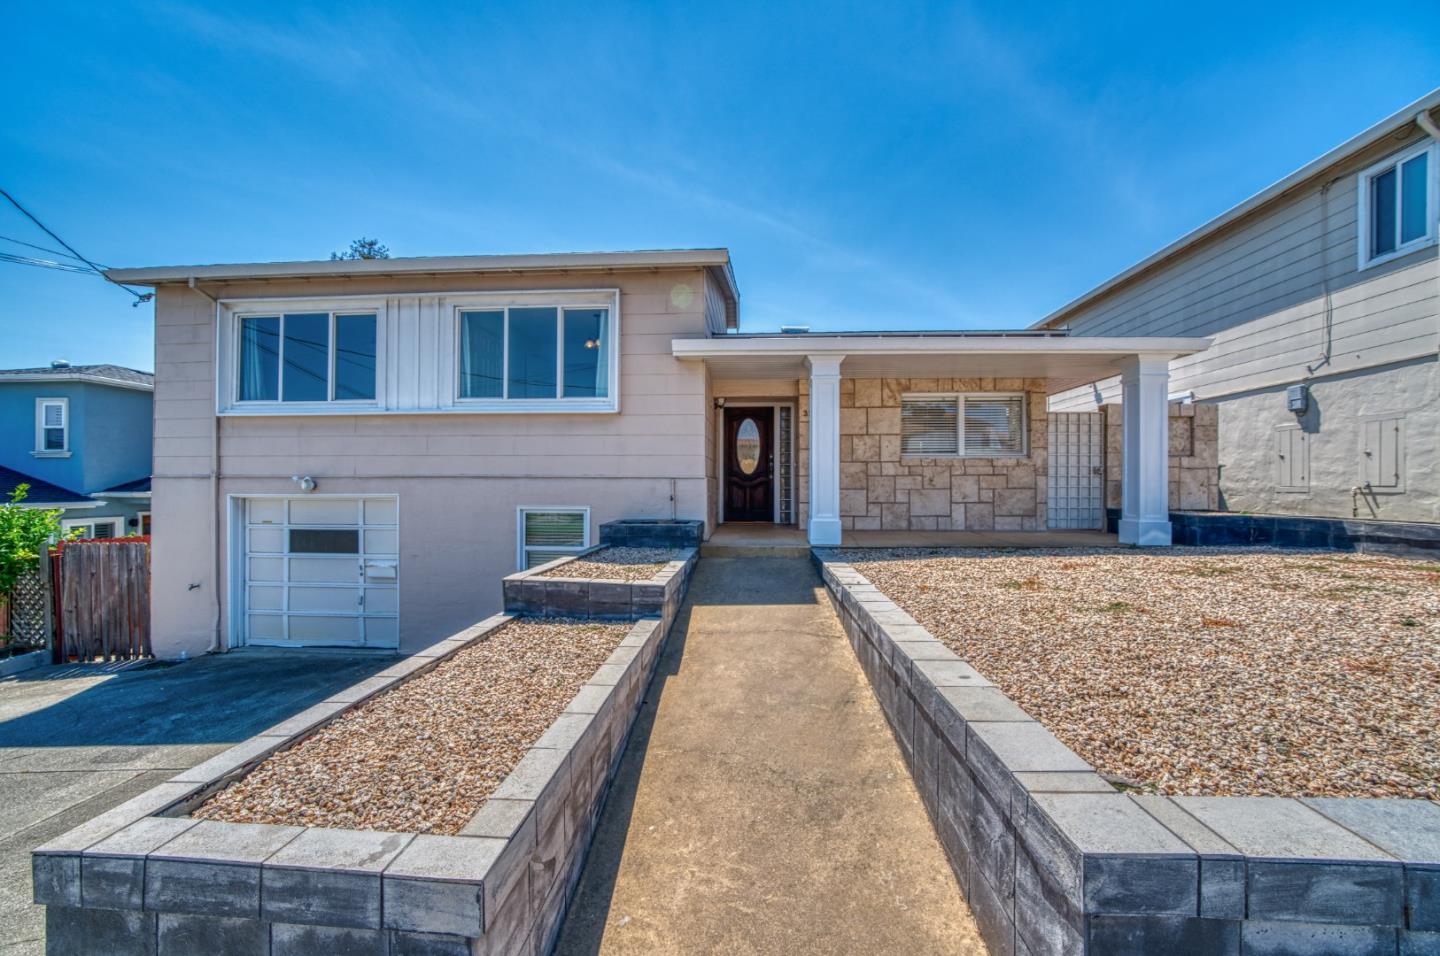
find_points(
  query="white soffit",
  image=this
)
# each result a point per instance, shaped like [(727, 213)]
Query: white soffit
[(1064, 362)]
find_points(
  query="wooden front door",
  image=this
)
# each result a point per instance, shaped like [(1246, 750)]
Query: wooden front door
[(749, 464)]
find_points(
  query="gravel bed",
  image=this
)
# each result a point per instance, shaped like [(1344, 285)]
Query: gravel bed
[(617, 564), (1201, 671), (425, 755)]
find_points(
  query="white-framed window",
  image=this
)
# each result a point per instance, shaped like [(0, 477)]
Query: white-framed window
[(52, 426), (1397, 204), (541, 351), (306, 357), (534, 354), (143, 522), (91, 527), (979, 425), (545, 534)]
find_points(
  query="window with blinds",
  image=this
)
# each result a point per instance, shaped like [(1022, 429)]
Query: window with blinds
[(929, 427), (977, 426), (52, 425), (550, 533)]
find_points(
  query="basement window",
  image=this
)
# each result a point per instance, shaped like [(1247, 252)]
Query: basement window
[(985, 425), (549, 533)]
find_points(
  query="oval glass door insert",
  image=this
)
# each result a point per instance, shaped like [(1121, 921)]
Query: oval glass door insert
[(747, 446)]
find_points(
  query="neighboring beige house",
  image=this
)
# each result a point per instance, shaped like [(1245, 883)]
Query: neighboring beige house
[(355, 452), (1322, 294)]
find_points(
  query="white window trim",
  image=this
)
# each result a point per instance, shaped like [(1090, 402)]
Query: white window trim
[(140, 517), (66, 524), (40, 450), (399, 376), (520, 547), (232, 403), (1024, 451), (1432, 195), (608, 300)]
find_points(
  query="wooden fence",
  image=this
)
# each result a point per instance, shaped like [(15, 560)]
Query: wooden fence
[(102, 597)]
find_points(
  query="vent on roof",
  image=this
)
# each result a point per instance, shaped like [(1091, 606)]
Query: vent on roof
[(60, 363), (794, 329)]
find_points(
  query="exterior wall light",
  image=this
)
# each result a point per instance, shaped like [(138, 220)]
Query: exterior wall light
[(306, 483)]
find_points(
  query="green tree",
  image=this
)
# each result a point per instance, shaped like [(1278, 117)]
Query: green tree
[(363, 248), (25, 534)]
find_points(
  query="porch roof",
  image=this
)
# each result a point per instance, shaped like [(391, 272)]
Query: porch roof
[(1064, 361)]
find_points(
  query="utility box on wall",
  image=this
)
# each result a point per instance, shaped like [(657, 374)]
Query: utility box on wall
[(1297, 398)]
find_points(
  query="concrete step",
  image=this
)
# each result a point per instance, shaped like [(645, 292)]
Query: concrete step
[(754, 551)]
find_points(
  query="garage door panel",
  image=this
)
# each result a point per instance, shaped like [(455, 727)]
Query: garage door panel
[(269, 540), (324, 570), (382, 631), (341, 511), (382, 511), (265, 569), (266, 627), (382, 600), (266, 598), (266, 510), (319, 573), (324, 630), (325, 599), (382, 541)]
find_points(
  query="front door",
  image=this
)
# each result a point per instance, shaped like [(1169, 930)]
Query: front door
[(749, 464)]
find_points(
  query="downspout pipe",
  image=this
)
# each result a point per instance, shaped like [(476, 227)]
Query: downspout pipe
[(215, 645)]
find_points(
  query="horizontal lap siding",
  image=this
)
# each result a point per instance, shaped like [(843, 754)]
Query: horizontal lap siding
[(1260, 290), (460, 476), (661, 423)]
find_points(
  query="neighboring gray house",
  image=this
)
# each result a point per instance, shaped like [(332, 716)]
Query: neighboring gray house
[(81, 437), (1322, 294)]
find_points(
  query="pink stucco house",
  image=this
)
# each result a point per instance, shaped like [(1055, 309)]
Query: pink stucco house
[(353, 453)]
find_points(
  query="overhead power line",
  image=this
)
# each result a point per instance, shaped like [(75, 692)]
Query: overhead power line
[(139, 296), (44, 263), (53, 252)]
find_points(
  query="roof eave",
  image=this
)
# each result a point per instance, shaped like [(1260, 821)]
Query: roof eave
[(1304, 174), (431, 265)]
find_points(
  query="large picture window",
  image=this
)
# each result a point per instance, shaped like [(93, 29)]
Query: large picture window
[(296, 357), (535, 352), (974, 426)]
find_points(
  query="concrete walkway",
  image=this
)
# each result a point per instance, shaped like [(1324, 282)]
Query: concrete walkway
[(762, 805), (76, 741)]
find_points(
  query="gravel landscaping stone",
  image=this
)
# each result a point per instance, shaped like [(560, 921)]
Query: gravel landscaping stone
[(617, 564), (1201, 671), (425, 756)]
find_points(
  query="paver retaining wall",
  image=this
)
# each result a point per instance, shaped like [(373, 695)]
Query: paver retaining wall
[(1053, 860), (145, 878), (530, 592)]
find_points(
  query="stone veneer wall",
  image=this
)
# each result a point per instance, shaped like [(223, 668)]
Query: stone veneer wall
[(881, 490), (1194, 456)]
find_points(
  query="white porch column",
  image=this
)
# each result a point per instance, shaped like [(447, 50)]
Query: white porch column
[(1145, 483), (825, 449)]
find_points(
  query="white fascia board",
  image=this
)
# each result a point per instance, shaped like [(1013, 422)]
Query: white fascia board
[(427, 265), (121, 494), (936, 344), (1362, 141), (61, 505)]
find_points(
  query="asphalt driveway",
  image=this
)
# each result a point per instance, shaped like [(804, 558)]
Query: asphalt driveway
[(76, 741)]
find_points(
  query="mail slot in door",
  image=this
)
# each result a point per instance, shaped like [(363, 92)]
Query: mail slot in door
[(381, 570)]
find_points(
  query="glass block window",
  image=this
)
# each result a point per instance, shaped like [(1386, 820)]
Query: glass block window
[(786, 476)]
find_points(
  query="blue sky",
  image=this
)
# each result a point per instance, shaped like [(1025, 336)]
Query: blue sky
[(869, 166)]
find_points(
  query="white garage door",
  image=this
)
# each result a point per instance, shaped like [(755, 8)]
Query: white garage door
[(322, 571)]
